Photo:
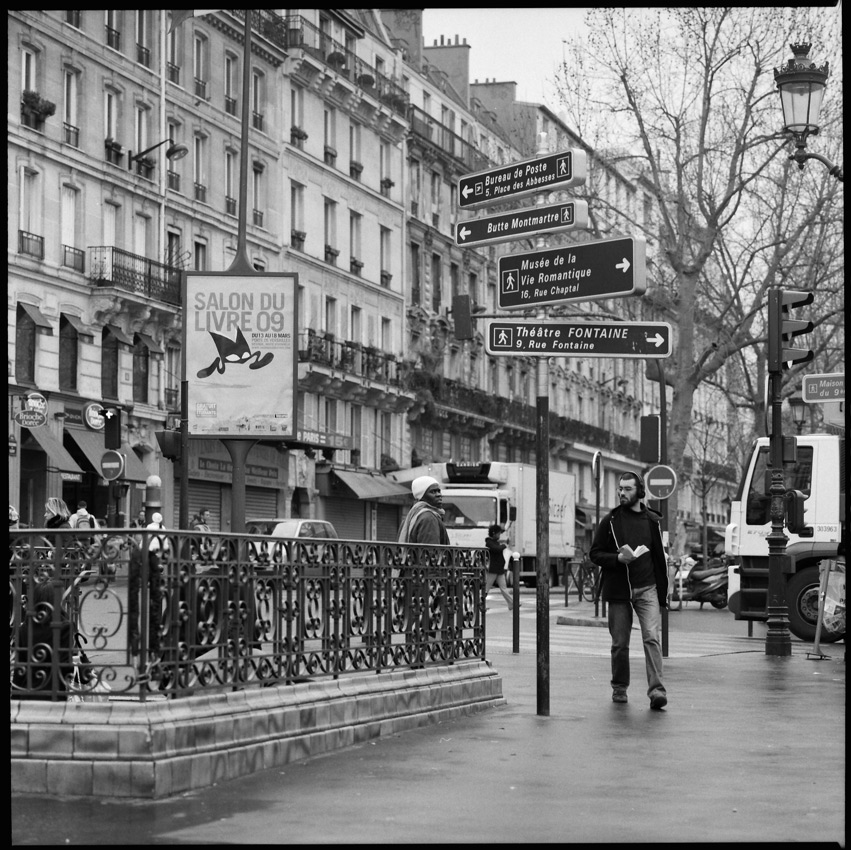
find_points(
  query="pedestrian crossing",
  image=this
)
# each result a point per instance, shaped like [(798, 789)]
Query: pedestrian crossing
[(594, 641)]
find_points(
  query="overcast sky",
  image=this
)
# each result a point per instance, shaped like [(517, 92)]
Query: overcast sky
[(523, 45)]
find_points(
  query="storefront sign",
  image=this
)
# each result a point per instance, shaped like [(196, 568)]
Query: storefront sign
[(93, 416)]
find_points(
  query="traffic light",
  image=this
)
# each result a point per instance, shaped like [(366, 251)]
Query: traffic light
[(781, 328), (462, 316), (795, 511), (650, 446), (169, 442), (112, 428)]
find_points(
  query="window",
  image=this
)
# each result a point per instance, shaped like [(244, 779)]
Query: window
[(297, 212), (330, 217), (200, 256), (356, 330), (297, 106), (113, 29), (173, 258), (257, 193), (231, 168), (416, 275), (74, 18), (68, 355), (436, 282), (355, 142), (257, 99), (231, 66), (145, 166), (141, 225), (330, 137), (71, 255), (141, 366), (69, 108), (109, 365), (110, 224), (143, 50), (171, 167), (25, 334), (200, 65), (29, 82), (384, 255), (796, 476), (171, 378), (110, 114), (200, 165), (171, 55), (331, 315), (30, 211), (454, 279), (355, 414), (354, 241), (386, 336)]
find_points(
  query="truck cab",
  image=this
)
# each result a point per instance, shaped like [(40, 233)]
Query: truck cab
[(819, 473)]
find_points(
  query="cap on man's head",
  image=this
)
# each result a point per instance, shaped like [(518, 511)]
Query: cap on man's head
[(421, 484)]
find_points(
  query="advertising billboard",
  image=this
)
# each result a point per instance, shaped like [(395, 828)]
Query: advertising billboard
[(240, 341)]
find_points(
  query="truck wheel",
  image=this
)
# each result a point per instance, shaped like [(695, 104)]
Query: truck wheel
[(802, 592), (719, 601)]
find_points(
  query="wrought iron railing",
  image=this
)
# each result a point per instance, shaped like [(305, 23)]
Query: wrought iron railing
[(123, 270), (439, 135), (174, 613)]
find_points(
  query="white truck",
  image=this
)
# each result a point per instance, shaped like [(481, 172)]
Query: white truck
[(477, 495), (818, 472)]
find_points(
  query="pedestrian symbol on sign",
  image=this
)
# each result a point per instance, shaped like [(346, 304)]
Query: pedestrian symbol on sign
[(503, 337), (509, 281), (561, 164)]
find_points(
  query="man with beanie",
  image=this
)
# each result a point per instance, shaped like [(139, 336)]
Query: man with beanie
[(424, 522)]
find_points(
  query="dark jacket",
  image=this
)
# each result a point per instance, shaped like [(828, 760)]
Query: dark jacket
[(496, 553), (424, 524), (615, 575)]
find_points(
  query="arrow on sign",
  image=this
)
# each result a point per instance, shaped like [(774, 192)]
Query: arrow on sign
[(464, 233), (466, 192), (623, 266), (658, 339)]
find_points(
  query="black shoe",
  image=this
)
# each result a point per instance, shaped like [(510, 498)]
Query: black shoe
[(619, 696), (658, 702)]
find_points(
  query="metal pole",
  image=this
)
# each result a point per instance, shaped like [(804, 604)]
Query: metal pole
[(663, 458), (777, 640), (184, 451), (543, 536)]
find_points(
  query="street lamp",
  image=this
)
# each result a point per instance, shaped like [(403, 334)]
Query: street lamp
[(176, 151), (801, 84), (799, 409)]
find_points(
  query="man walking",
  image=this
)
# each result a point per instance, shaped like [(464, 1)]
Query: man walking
[(628, 548), (82, 518)]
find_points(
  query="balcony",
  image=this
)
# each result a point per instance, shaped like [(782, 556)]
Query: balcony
[(132, 273), (113, 151), (258, 217), (113, 38), (230, 206), (257, 121), (174, 181), (143, 55), (30, 244), (230, 105), (201, 88), (201, 193), (71, 135), (173, 73), (437, 135), (73, 258)]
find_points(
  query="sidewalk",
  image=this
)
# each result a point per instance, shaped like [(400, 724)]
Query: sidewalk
[(751, 748)]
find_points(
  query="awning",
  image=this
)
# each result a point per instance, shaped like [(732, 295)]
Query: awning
[(54, 450), (91, 444), (581, 519), (366, 485), (36, 315), (150, 344), (120, 335), (82, 331)]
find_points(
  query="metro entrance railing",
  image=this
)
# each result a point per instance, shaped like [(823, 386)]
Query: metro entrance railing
[(176, 613)]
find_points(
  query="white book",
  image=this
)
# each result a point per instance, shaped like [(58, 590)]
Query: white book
[(633, 553)]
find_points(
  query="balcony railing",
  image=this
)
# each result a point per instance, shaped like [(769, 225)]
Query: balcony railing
[(143, 55), (230, 105), (214, 612), (29, 243), (258, 217), (257, 121), (73, 258), (173, 73), (230, 206), (113, 38), (72, 135), (115, 267), (174, 181), (200, 192), (440, 136), (201, 88), (358, 360)]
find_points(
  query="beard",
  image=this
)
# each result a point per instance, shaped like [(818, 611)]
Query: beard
[(629, 501)]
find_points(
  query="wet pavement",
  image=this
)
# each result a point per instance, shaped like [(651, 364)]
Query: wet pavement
[(750, 748)]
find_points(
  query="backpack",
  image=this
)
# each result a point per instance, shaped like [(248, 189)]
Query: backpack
[(85, 521)]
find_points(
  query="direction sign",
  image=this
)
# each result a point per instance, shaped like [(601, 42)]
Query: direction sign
[(554, 171), (518, 224), (660, 482), (583, 272), (112, 465), (580, 339), (818, 389)]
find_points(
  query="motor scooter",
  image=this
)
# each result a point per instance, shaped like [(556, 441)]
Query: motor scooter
[(702, 585)]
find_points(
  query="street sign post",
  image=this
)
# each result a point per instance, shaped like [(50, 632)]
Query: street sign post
[(817, 389), (584, 272), (554, 171), (580, 339), (660, 482), (519, 224), (112, 465)]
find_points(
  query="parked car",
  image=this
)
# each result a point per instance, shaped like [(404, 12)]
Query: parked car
[(292, 528)]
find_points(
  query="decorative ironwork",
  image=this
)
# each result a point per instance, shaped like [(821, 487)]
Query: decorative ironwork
[(116, 267), (173, 613)]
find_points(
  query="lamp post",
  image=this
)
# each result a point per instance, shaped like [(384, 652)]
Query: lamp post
[(801, 84), (799, 409), (176, 151)]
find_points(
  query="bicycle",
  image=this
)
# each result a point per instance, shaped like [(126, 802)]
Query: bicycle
[(588, 579)]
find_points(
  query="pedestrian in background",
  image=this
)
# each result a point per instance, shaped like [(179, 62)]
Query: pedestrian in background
[(497, 564), (424, 522), (629, 550), (201, 521), (139, 522), (56, 513), (14, 519), (82, 518)]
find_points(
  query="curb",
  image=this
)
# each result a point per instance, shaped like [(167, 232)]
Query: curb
[(580, 621)]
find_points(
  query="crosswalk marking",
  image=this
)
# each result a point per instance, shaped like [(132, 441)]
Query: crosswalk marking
[(595, 642)]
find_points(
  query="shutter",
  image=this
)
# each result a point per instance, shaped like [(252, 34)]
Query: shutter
[(206, 494), (388, 522), (347, 516), (261, 503)]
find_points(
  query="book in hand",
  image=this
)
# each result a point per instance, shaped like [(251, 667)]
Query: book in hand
[(630, 553)]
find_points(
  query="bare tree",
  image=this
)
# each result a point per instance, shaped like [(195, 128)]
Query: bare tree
[(685, 98)]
